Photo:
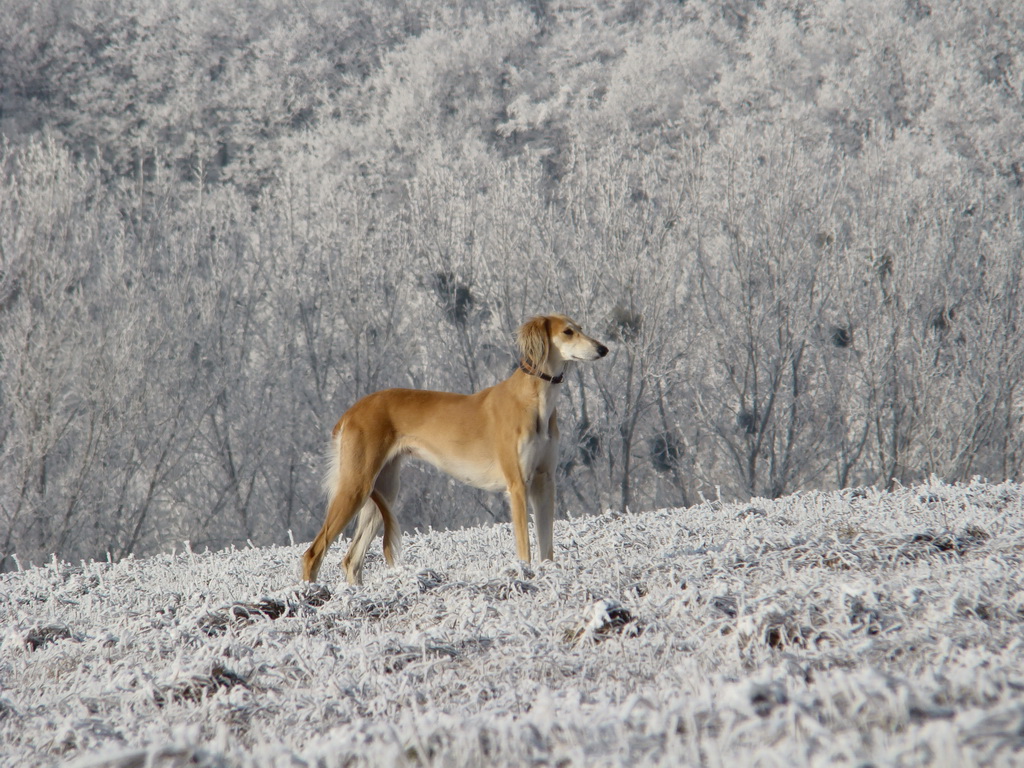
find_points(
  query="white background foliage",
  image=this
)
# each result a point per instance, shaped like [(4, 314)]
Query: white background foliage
[(797, 225)]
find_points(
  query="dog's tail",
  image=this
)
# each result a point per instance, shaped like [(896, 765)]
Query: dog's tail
[(332, 465), (392, 532)]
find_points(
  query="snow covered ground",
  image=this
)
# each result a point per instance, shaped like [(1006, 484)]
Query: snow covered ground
[(850, 628)]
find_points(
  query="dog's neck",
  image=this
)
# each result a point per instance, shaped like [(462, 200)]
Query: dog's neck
[(543, 385), (530, 369)]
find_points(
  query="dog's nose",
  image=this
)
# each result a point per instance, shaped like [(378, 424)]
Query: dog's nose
[(602, 350)]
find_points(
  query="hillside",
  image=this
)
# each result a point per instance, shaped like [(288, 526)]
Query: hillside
[(845, 628)]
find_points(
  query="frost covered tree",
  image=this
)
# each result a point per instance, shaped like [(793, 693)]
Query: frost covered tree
[(797, 224)]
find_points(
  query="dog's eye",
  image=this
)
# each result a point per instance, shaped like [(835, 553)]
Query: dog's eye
[(568, 331)]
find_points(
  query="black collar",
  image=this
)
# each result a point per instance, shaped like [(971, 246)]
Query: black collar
[(527, 368)]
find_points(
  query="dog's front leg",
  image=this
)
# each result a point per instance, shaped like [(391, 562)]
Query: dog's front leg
[(542, 496), (517, 501), (542, 493), (508, 459)]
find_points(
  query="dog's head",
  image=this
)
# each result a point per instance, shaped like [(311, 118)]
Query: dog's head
[(550, 339)]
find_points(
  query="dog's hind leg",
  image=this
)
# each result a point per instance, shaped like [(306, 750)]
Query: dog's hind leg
[(376, 510), (341, 509), (366, 528), (352, 482)]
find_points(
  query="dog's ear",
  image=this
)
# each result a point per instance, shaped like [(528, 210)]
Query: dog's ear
[(534, 340)]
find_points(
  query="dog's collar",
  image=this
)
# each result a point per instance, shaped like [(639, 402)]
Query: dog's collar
[(527, 368)]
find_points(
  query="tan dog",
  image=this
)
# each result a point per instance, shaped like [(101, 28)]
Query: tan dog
[(502, 437)]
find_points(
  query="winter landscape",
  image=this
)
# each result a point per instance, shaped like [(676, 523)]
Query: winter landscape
[(848, 628), (798, 225)]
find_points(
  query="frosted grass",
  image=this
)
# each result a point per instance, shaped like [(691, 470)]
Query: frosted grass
[(845, 628)]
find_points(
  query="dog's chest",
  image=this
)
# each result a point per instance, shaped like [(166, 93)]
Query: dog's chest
[(531, 452), (537, 443)]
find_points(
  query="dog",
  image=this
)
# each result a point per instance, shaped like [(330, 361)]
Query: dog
[(504, 437)]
